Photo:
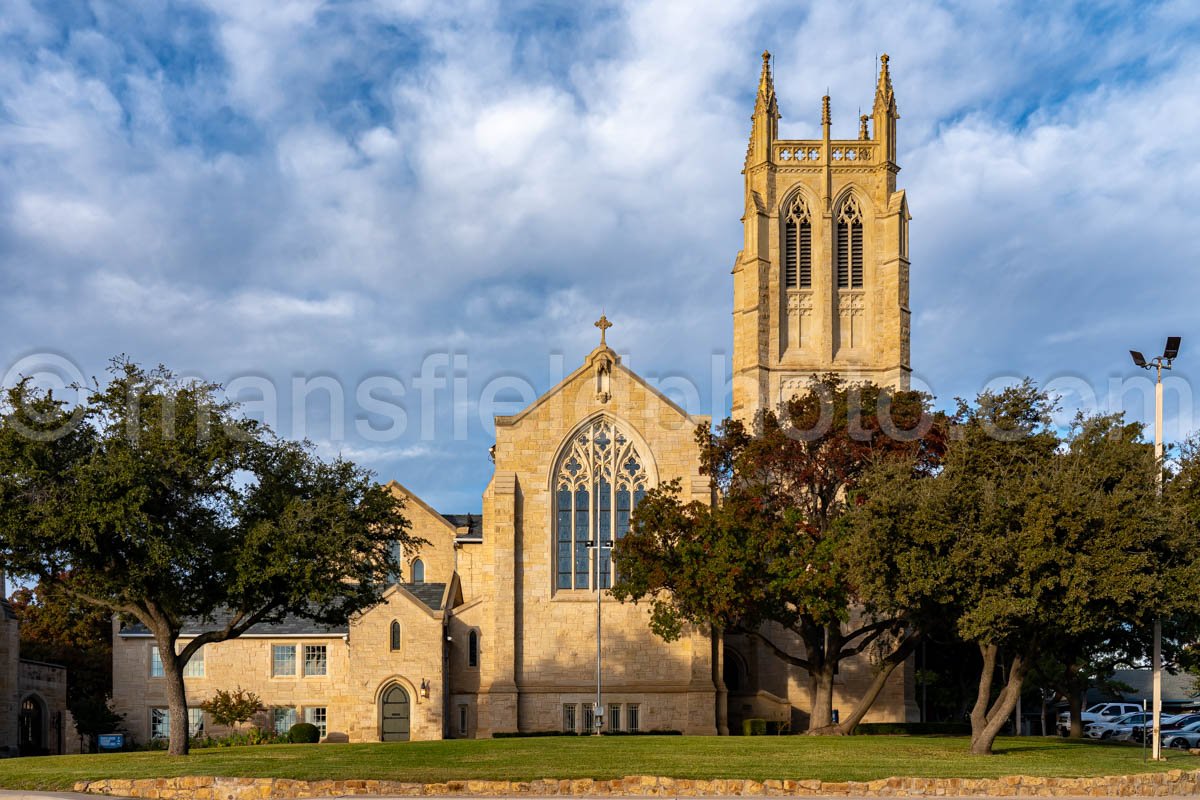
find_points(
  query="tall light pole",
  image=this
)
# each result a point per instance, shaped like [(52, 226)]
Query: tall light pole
[(1158, 364), (598, 547)]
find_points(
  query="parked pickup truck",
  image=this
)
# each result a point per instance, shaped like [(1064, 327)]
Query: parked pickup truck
[(1101, 712)]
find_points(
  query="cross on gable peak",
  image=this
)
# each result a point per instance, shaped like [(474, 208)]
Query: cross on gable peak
[(603, 324)]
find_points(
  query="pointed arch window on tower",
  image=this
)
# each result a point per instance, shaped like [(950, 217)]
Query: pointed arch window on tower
[(850, 245), (797, 245), (599, 479)]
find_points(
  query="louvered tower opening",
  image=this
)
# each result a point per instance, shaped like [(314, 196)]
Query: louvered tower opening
[(850, 246), (797, 246)]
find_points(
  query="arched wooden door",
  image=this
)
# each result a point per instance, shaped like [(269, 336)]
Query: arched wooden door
[(31, 724), (394, 714)]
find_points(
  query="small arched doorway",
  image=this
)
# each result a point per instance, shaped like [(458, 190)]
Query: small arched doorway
[(31, 724), (394, 714)]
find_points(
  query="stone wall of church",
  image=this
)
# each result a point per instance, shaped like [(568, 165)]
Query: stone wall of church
[(48, 684), (554, 660), (359, 668), (10, 701), (437, 554)]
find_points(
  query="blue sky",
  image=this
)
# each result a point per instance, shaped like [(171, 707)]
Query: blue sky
[(342, 191)]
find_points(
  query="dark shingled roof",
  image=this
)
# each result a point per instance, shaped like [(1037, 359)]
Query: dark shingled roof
[(428, 593), (472, 522), (290, 626)]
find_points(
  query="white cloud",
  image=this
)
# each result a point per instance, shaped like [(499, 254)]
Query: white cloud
[(347, 188)]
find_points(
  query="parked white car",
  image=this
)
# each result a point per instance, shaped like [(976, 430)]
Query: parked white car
[(1119, 729), (1101, 712)]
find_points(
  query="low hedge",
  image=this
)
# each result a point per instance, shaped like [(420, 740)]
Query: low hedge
[(764, 727), (535, 734), (913, 729)]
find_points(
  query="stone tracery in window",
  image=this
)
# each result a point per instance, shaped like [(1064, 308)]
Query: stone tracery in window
[(599, 479)]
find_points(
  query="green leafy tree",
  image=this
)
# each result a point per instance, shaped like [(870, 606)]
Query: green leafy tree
[(1181, 629), (1028, 539), (232, 708), (165, 506), (770, 551)]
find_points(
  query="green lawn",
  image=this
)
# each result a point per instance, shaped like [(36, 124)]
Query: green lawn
[(760, 758)]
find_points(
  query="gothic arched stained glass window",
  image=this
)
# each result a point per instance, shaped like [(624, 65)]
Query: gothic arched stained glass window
[(599, 479)]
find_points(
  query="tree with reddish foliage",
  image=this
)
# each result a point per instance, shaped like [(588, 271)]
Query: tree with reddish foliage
[(770, 549)]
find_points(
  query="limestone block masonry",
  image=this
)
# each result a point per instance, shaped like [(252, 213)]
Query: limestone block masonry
[(1173, 783), (821, 283)]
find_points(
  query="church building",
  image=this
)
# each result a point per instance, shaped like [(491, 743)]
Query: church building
[(493, 627)]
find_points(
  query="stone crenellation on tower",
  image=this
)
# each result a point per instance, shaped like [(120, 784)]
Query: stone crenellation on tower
[(821, 282)]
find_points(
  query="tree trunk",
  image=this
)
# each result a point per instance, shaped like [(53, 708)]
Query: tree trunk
[(890, 662), (987, 722), (1075, 708), (821, 681), (177, 710)]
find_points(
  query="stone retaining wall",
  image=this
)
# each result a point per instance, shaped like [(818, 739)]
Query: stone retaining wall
[(1172, 782)]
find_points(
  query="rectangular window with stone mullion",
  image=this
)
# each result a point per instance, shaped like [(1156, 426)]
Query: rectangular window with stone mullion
[(160, 723), (283, 718), (315, 715), (568, 718), (315, 660), (283, 660), (614, 716)]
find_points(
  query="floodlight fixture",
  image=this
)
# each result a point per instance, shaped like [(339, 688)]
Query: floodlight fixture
[(1138, 358), (1172, 349)]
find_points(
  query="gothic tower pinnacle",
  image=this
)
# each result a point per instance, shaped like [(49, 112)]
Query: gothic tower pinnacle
[(821, 282)]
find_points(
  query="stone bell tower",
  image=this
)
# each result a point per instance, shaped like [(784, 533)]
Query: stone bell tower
[(821, 282)]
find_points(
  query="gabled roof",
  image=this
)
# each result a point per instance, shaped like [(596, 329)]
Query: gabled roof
[(430, 594), (1177, 688), (589, 363)]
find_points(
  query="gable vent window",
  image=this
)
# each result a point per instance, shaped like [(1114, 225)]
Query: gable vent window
[(797, 245), (850, 245)]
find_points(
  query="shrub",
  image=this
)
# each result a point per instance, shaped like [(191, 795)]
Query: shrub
[(754, 727), (232, 708), (304, 733)]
